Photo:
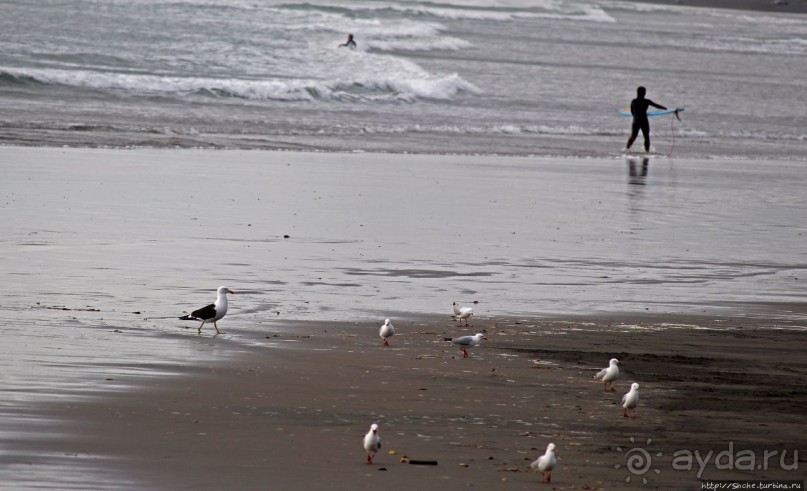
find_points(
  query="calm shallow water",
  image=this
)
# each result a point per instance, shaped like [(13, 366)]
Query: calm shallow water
[(370, 234), (129, 240)]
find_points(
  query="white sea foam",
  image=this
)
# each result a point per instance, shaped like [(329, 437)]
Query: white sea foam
[(554, 10), (704, 12), (524, 130), (416, 44), (740, 44), (445, 129), (403, 28), (405, 88)]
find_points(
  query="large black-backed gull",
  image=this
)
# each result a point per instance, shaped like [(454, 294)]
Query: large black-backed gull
[(213, 312)]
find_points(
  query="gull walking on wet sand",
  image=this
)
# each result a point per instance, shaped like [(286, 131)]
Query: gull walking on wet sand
[(386, 331), (467, 342), (545, 463), (463, 313), (608, 375), (372, 443), (213, 312), (631, 400)]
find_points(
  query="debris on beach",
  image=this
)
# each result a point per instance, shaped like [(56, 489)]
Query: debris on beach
[(71, 309), (407, 460)]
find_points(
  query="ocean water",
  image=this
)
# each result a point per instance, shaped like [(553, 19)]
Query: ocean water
[(469, 76)]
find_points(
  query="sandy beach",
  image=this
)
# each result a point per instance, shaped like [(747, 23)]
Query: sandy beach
[(289, 412), (104, 388)]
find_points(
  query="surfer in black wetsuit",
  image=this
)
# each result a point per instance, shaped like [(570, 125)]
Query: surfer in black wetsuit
[(350, 43), (638, 108)]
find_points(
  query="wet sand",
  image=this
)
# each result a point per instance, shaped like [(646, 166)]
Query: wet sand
[(103, 388), (290, 411)]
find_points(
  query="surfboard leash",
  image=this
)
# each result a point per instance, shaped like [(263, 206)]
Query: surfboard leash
[(672, 130)]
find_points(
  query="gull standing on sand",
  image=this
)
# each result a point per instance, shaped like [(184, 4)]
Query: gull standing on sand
[(608, 375), (630, 400), (467, 342), (545, 463), (372, 443), (386, 332), (213, 312), (463, 313)]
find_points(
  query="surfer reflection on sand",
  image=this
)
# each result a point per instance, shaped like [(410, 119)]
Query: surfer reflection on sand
[(637, 174)]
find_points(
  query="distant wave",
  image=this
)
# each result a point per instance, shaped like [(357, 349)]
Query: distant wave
[(523, 130), (754, 135), (743, 45), (352, 131), (389, 88), (717, 13), (590, 13), (10, 79), (459, 129), (435, 88), (409, 44), (403, 28)]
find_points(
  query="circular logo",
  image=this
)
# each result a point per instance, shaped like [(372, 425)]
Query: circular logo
[(638, 461)]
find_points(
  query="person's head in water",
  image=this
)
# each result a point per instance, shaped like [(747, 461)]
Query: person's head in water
[(350, 43), (640, 92)]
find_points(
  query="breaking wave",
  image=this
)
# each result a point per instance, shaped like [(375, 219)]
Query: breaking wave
[(368, 89)]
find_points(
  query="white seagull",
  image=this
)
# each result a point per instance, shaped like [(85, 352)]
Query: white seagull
[(386, 331), (372, 443), (545, 463), (213, 312), (467, 342), (462, 313), (608, 375), (630, 400)]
